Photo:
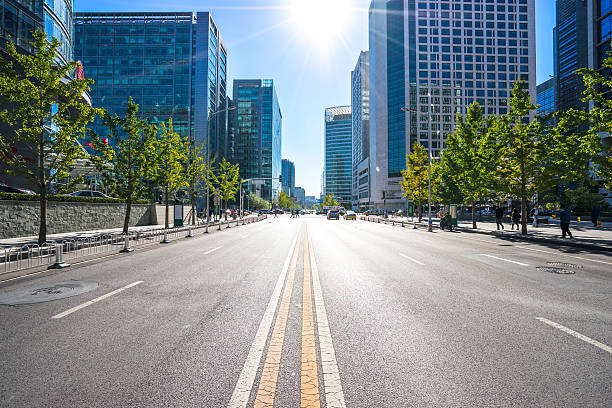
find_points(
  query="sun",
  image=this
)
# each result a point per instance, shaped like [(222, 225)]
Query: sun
[(322, 22)]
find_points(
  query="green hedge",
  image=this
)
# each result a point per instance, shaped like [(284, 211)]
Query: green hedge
[(64, 198)]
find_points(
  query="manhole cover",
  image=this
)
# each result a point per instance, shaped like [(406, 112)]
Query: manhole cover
[(563, 265), (47, 293), (554, 269)]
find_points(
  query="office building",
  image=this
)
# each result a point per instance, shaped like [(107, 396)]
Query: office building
[(310, 201), (546, 97), (360, 108), (171, 64), (18, 21), (338, 154), (288, 177), (300, 195), (433, 58), (258, 136), (21, 18)]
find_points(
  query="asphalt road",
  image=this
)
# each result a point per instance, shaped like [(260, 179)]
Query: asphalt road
[(391, 317)]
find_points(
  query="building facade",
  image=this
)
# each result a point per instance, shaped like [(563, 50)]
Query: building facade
[(360, 108), (258, 136), (546, 97), (429, 60), (18, 21), (338, 154), (300, 195), (288, 177), (173, 65)]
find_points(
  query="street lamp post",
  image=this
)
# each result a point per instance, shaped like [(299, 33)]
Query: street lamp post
[(210, 116)]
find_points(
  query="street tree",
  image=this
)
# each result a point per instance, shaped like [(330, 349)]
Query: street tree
[(465, 160), (172, 159), (533, 157), (128, 161), (416, 178), (226, 180), (199, 171), (329, 201), (257, 202), (598, 119), (47, 114), (284, 201)]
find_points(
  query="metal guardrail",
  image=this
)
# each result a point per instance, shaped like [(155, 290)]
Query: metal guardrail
[(54, 254), (391, 221)]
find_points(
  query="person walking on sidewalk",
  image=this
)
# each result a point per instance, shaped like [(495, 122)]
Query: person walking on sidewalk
[(499, 217), (595, 215), (516, 218), (565, 217)]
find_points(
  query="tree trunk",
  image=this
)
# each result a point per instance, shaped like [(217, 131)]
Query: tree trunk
[(420, 211), (473, 215), (193, 209), (128, 211), (166, 224), (42, 229), (523, 215)]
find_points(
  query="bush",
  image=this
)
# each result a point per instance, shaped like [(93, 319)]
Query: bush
[(64, 198)]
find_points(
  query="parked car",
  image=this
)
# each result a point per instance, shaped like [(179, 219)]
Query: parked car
[(88, 193), (333, 214), (371, 212), (18, 190), (350, 215)]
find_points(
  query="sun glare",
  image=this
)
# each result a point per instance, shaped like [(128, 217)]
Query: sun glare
[(321, 21)]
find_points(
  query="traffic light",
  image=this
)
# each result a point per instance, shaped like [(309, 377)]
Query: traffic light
[(280, 179)]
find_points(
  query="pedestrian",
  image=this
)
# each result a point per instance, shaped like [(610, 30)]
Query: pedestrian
[(499, 217), (516, 218), (595, 215), (565, 217)]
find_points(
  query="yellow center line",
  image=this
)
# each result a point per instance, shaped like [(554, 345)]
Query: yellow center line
[(310, 379), (269, 376)]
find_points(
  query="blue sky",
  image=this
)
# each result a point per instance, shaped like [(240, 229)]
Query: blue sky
[(274, 39)]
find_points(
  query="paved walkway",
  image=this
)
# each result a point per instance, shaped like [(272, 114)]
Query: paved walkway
[(20, 241), (584, 234)]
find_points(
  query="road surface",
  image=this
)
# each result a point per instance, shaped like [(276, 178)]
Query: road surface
[(309, 312)]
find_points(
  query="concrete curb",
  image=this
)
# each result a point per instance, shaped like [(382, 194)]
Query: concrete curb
[(531, 238)]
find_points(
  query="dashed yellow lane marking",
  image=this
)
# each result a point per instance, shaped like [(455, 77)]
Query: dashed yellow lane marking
[(310, 379), (269, 376)]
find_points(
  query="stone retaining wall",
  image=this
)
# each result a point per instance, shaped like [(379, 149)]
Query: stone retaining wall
[(20, 218)]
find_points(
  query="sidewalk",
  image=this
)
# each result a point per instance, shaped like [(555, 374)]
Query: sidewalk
[(585, 235), (33, 239)]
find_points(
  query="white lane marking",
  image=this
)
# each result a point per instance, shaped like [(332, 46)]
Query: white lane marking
[(411, 259), (562, 254), (505, 260), (576, 334), (91, 302), (212, 250), (244, 386), (334, 396)]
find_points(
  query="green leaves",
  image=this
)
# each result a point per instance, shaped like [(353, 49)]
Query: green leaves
[(226, 180), (46, 109), (284, 201), (415, 177)]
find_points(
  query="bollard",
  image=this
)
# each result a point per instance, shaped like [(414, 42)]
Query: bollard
[(126, 245), (165, 241), (220, 222), (59, 255), (190, 235)]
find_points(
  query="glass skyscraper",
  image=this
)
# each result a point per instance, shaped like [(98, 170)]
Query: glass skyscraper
[(546, 97), (433, 58), (360, 108), (172, 64), (257, 124), (338, 154), (288, 173), (19, 19)]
